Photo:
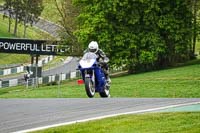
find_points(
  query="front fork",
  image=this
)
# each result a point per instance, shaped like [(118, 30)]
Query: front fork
[(90, 74)]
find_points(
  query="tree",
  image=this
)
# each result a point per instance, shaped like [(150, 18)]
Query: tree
[(68, 13), (32, 9), (17, 10), (140, 34), (7, 7), (195, 5), (175, 26), (26, 11)]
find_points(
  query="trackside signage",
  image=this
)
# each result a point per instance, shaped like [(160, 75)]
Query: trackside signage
[(27, 46)]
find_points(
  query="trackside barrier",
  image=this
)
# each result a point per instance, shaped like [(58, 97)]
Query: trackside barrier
[(20, 69), (40, 80), (43, 80)]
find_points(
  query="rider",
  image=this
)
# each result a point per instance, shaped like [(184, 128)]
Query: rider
[(101, 57)]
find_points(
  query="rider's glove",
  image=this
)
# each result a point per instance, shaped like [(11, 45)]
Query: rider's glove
[(106, 60)]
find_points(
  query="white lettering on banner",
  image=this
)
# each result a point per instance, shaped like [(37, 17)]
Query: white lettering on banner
[(43, 48), (18, 46), (27, 46), (23, 46), (5, 46)]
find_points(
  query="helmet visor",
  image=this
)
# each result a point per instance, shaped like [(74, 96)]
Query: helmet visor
[(92, 50)]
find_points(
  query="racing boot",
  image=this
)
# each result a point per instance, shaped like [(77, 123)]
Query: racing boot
[(108, 79), (106, 71)]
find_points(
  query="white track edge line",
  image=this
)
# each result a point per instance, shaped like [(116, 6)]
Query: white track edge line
[(105, 116)]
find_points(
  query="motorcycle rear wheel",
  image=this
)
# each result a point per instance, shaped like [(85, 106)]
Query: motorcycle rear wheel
[(106, 91), (89, 88)]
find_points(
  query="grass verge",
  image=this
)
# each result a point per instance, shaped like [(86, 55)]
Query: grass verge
[(180, 82), (187, 122)]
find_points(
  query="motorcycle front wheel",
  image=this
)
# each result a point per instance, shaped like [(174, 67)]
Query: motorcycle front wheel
[(89, 87)]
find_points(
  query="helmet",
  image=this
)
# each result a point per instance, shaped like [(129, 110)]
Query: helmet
[(93, 46)]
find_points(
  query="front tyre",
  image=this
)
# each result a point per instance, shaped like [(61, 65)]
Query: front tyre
[(106, 91), (89, 88)]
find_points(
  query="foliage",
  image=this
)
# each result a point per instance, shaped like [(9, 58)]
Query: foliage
[(195, 5), (143, 34), (26, 11), (33, 33), (32, 9), (68, 13)]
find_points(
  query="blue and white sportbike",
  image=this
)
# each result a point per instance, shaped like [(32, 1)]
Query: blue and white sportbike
[(93, 76)]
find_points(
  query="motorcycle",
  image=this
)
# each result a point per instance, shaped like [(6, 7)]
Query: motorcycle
[(93, 76)]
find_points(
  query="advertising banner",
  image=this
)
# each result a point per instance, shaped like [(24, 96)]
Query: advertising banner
[(27, 46)]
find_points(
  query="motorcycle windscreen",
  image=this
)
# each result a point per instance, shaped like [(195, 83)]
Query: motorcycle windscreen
[(88, 60), (87, 63)]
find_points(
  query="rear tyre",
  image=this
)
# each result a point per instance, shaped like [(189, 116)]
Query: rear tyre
[(106, 91), (89, 88)]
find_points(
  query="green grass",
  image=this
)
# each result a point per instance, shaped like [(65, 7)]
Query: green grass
[(142, 123), (14, 59), (4, 29), (32, 33), (68, 90), (177, 82), (50, 11), (181, 82), (58, 60)]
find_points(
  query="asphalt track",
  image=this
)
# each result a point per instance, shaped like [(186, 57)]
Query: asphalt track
[(67, 67), (22, 114)]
